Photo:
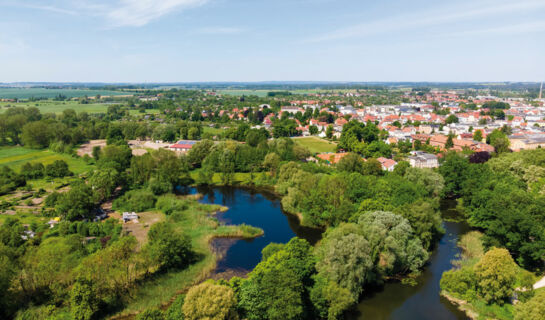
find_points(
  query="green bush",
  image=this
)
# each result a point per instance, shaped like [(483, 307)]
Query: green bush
[(460, 283), (58, 169), (135, 200), (169, 204)]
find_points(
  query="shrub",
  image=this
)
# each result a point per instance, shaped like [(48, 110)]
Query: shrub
[(210, 301), (57, 169), (135, 200), (169, 204)]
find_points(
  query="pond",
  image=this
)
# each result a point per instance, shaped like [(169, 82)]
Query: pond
[(392, 301), (258, 209)]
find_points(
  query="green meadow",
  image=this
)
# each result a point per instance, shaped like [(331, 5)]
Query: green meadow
[(316, 145), (27, 93), (15, 157), (50, 106)]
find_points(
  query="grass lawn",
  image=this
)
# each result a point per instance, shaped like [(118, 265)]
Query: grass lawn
[(211, 130), (50, 106), (316, 145), (15, 157)]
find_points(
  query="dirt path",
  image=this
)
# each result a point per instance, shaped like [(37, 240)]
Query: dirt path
[(540, 283)]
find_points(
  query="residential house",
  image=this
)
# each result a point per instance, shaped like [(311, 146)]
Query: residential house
[(420, 159), (183, 145), (387, 164)]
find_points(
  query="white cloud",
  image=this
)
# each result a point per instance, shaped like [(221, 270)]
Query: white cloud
[(118, 13), (141, 12), (432, 18)]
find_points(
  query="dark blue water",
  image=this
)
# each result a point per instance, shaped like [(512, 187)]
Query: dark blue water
[(261, 210)]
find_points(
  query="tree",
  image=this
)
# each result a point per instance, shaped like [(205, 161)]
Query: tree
[(199, 151), (478, 135), (430, 180), (169, 247), (496, 275), (346, 260), (450, 143), (119, 156), (329, 132), (313, 130), (275, 288), (454, 172), (210, 301), (8, 270), (96, 152), (451, 119), (103, 182), (58, 169), (479, 157), (425, 220), (36, 134), (533, 309), (254, 137), (402, 167), (83, 300), (329, 299), (76, 203), (351, 163), (499, 140), (372, 167), (395, 248), (271, 162)]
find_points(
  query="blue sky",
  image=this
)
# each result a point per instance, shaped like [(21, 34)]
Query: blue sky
[(265, 40)]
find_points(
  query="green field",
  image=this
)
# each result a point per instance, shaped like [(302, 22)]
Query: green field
[(26, 93), (15, 157), (211, 130), (49, 106), (316, 145)]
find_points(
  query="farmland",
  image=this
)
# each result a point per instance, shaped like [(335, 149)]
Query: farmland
[(316, 145), (27, 93), (15, 157), (49, 106)]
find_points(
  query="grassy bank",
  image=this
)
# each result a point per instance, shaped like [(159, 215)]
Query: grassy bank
[(475, 308), (197, 221)]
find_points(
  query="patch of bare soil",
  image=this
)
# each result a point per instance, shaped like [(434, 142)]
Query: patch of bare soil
[(139, 229), (87, 148)]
